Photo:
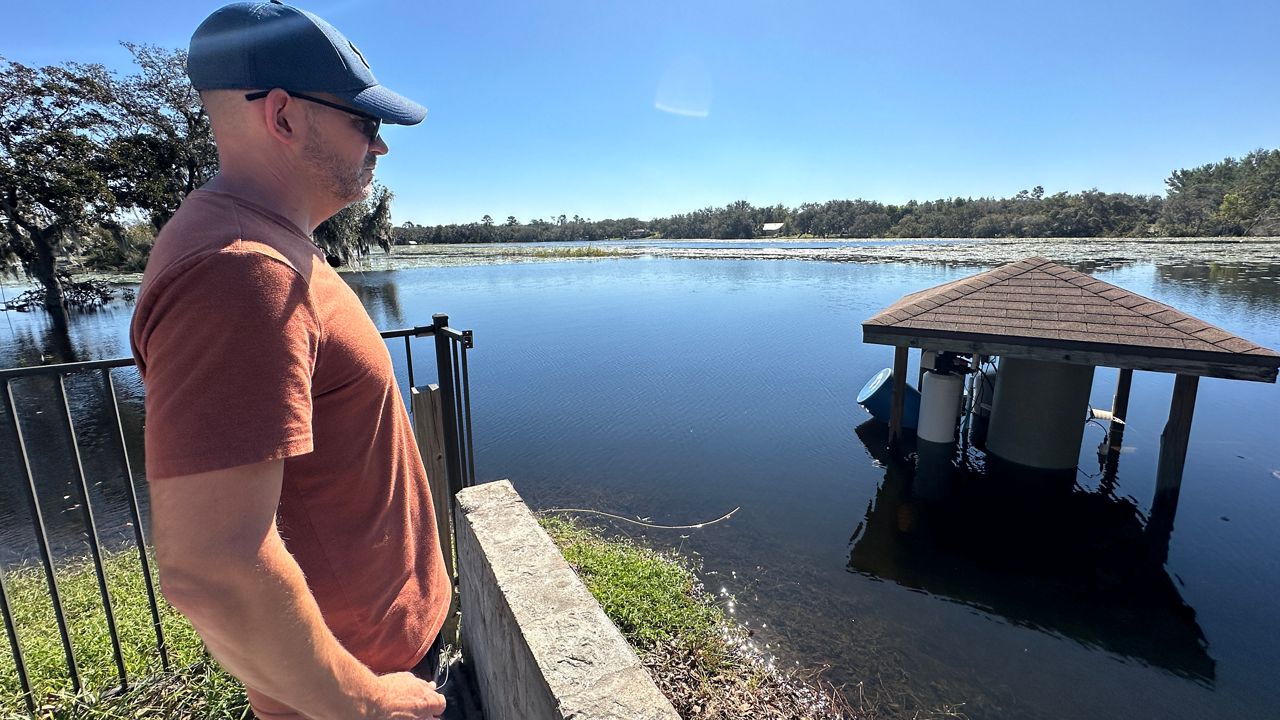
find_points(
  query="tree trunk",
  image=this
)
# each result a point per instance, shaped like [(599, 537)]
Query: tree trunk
[(45, 271)]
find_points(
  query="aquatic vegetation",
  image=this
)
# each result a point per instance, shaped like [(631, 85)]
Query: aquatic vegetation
[(580, 251)]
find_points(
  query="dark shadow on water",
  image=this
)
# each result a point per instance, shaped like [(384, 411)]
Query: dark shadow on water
[(1042, 553)]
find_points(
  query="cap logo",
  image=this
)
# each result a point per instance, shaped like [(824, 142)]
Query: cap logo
[(360, 55)]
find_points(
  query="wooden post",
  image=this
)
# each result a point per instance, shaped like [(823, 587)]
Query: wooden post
[(1119, 410), (1115, 430), (899, 394), (1173, 456), (428, 429)]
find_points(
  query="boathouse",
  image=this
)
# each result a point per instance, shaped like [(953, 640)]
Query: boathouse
[(1051, 326)]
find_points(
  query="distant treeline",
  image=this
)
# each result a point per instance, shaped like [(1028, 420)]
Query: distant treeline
[(1228, 198)]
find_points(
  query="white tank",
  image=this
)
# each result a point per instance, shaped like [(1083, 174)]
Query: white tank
[(939, 406), (1037, 415)]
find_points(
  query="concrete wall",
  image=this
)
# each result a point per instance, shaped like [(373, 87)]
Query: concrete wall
[(539, 643)]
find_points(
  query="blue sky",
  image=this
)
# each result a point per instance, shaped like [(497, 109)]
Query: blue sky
[(613, 109)]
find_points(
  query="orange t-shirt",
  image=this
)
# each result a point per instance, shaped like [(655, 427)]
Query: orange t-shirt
[(251, 349)]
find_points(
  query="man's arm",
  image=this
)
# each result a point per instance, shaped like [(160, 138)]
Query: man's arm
[(223, 565)]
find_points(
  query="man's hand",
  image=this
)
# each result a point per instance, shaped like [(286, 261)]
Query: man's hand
[(404, 696)]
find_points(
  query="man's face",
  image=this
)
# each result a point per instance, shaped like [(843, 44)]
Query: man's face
[(340, 153)]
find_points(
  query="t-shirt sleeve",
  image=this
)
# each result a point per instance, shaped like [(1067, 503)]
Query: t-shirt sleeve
[(228, 349)]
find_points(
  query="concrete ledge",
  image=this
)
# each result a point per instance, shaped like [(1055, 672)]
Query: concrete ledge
[(540, 645)]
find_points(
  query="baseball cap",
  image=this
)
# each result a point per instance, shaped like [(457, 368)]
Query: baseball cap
[(263, 45)]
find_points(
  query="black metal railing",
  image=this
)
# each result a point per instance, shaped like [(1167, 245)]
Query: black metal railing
[(451, 348)]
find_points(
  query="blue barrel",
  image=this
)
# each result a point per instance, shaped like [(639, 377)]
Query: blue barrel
[(877, 398)]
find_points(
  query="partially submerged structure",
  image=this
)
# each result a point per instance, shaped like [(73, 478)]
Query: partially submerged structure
[(1082, 566), (1051, 326)]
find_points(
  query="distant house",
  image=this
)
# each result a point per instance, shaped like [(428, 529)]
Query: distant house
[(772, 229), (638, 233)]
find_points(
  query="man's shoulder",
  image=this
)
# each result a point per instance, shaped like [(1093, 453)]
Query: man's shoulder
[(212, 229)]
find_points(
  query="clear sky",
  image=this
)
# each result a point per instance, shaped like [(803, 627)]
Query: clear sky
[(650, 107)]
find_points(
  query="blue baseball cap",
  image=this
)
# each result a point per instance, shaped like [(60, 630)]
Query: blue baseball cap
[(264, 45)]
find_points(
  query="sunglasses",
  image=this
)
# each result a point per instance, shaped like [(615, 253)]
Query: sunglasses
[(370, 125)]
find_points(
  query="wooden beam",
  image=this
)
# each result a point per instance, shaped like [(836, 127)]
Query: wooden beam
[(1119, 410), (899, 394), (428, 430), (1115, 430), (1173, 455), (1257, 368)]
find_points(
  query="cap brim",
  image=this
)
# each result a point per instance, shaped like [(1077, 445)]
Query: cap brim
[(392, 107)]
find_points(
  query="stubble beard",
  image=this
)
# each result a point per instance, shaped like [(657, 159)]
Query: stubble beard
[(335, 175)]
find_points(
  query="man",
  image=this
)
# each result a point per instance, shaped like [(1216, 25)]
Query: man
[(289, 505)]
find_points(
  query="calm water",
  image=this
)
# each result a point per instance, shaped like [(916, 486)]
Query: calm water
[(678, 389)]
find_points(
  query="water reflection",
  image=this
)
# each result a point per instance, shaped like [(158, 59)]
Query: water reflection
[(381, 297), (50, 345), (1042, 554), (1256, 284)]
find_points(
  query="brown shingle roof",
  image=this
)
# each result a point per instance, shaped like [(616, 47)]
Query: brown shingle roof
[(1037, 303)]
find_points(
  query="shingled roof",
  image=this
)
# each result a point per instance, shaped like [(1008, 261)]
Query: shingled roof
[(1038, 309)]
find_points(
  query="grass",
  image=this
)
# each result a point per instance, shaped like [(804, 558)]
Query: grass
[(582, 251), (698, 658), (654, 599), (195, 687)]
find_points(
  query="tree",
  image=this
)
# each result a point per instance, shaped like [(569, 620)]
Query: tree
[(52, 189), (163, 148), (487, 221), (349, 233)]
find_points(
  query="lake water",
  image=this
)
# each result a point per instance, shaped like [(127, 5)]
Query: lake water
[(678, 388)]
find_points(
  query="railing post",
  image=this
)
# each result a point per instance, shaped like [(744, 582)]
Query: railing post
[(19, 662), (444, 366), (42, 538), (139, 535), (91, 528)]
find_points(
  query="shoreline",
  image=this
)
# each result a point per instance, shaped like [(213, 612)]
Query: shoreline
[(1094, 252)]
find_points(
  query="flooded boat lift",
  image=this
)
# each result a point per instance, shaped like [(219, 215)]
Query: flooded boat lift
[(1050, 326)]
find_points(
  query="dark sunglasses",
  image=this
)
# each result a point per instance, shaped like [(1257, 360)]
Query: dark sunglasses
[(370, 127)]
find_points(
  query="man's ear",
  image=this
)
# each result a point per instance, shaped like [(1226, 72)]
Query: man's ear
[(282, 117)]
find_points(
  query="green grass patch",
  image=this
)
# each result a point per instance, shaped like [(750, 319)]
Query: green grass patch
[(653, 598), (581, 251), (196, 685)]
